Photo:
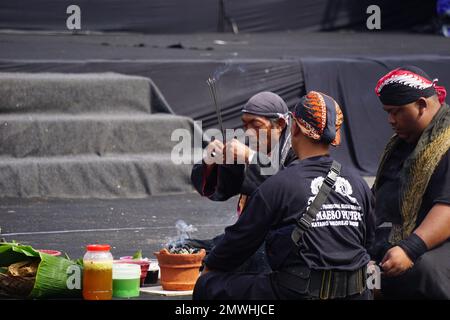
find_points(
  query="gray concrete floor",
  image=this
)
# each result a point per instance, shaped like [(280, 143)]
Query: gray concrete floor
[(127, 225)]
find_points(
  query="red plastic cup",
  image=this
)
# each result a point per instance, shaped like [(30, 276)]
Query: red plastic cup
[(55, 253), (144, 264)]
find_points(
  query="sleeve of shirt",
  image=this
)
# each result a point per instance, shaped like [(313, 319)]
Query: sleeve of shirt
[(439, 185), (258, 171), (243, 238), (202, 179), (217, 182), (253, 178)]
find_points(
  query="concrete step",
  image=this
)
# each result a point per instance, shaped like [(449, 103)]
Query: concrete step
[(90, 176), (78, 93), (46, 135)]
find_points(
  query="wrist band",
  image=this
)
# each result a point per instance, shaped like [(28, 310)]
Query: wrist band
[(414, 246)]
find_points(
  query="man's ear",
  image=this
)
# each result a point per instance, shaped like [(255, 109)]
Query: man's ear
[(295, 129), (422, 103), (281, 123)]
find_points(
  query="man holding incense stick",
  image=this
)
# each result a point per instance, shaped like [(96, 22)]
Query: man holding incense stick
[(265, 115), (264, 112)]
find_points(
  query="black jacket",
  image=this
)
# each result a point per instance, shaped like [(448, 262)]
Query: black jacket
[(340, 234)]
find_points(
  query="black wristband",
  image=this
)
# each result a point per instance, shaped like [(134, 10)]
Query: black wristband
[(414, 246)]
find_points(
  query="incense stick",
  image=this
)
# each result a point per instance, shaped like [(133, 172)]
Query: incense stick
[(213, 90)]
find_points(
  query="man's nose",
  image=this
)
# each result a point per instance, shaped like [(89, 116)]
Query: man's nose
[(391, 119)]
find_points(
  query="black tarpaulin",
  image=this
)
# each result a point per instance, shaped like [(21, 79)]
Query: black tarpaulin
[(182, 16), (320, 15), (351, 82)]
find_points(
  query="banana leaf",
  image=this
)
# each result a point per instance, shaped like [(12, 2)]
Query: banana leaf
[(52, 275), (13, 252), (137, 255)]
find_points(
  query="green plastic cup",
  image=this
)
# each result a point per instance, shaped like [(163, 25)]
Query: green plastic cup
[(126, 280)]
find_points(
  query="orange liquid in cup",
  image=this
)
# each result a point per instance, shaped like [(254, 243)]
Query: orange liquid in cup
[(97, 280)]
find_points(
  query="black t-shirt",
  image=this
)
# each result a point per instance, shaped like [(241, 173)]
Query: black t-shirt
[(339, 235), (438, 190), (388, 193), (387, 207)]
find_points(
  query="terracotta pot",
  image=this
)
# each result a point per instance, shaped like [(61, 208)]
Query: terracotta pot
[(179, 272)]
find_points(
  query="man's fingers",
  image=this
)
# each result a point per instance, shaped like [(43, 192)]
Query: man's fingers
[(217, 144), (231, 145), (396, 271), (390, 273), (213, 154), (385, 258), (390, 269), (231, 150), (387, 265)]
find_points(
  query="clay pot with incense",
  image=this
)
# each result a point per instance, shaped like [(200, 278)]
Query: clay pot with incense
[(179, 271)]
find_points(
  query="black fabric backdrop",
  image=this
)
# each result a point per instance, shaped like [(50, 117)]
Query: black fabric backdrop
[(183, 16), (280, 62), (351, 82)]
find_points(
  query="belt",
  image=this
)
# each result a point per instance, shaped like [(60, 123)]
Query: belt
[(322, 284)]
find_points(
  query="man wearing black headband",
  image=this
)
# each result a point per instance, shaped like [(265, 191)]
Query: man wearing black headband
[(267, 115), (412, 188)]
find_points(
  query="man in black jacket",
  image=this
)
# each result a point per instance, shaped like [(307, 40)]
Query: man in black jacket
[(330, 262), (265, 116)]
